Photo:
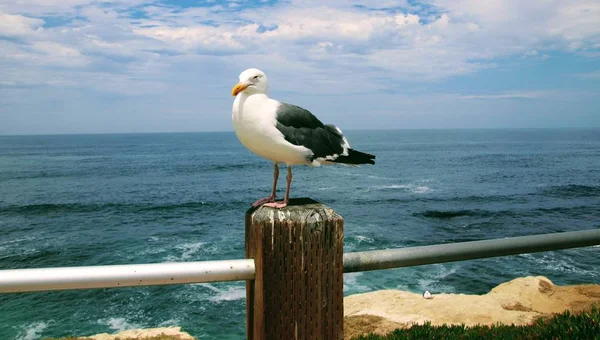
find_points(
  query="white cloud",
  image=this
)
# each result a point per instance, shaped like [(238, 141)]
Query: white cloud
[(308, 47), (41, 53), (205, 37), (56, 49), (526, 25), (18, 25), (58, 8), (335, 37)]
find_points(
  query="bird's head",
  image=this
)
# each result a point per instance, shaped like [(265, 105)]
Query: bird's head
[(251, 81)]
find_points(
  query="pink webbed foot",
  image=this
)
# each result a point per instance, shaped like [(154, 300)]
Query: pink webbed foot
[(263, 201), (277, 205)]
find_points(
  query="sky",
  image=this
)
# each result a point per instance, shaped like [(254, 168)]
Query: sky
[(83, 66)]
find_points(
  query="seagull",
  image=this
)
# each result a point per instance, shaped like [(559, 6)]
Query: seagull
[(285, 133)]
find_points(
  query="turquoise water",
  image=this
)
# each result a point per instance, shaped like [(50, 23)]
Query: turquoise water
[(144, 198)]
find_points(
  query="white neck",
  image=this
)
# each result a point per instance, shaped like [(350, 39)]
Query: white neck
[(241, 100)]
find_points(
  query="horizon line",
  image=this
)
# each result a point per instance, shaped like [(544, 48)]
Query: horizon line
[(364, 129)]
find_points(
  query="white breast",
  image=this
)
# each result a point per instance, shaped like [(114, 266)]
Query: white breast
[(254, 120)]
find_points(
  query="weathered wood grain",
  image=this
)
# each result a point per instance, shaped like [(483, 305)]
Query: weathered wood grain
[(297, 292)]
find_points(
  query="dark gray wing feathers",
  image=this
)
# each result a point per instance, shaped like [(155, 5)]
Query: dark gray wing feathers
[(300, 127)]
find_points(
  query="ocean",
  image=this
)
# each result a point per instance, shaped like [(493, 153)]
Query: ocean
[(74, 200)]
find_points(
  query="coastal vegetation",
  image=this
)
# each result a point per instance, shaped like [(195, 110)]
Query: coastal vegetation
[(584, 325), (566, 325)]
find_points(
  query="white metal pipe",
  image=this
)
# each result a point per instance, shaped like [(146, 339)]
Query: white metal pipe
[(46, 279), (440, 253), (61, 278)]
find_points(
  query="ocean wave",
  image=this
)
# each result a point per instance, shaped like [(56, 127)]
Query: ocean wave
[(33, 331), (421, 189), (568, 211), (572, 191), (461, 199), (185, 205), (188, 250), (198, 166), (558, 263), (119, 324), (229, 294), (442, 214), (363, 239), (503, 160), (18, 241), (239, 166), (45, 208), (351, 284), (63, 208), (413, 188), (50, 208), (34, 256), (170, 323), (433, 280), (486, 199)]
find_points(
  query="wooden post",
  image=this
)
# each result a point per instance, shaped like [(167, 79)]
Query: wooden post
[(297, 292)]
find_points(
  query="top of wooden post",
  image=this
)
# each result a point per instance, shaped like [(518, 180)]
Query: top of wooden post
[(302, 209)]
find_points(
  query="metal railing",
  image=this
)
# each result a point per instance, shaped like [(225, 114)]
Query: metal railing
[(62, 278), (46, 279), (440, 253)]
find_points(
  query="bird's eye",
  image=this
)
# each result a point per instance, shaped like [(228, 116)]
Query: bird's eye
[(255, 77)]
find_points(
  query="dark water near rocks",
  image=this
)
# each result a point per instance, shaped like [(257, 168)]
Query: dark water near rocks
[(143, 198)]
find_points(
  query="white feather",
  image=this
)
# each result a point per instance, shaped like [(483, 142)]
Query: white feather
[(254, 121)]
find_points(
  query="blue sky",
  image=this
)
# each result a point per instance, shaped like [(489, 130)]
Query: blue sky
[(81, 66)]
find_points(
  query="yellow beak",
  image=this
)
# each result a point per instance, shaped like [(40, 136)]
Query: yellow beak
[(239, 87)]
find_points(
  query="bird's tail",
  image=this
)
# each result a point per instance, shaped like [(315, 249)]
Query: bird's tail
[(356, 157)]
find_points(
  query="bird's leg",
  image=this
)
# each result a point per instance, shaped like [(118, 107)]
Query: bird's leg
[(286, 200), (272, 197)]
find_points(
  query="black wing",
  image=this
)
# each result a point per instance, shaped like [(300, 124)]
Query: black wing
[(300, 127)]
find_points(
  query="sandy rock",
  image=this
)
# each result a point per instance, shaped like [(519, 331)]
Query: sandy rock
[(539, 294), (520, 301), (144, 333)]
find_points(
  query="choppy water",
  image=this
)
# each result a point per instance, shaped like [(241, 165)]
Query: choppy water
[(142, 198)]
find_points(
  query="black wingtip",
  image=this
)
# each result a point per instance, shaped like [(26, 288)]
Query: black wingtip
[(356, 157)]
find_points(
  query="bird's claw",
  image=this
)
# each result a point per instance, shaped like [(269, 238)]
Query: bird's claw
[(263, 201), (276, 205)]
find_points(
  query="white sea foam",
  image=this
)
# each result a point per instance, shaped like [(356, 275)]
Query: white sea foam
[(363, 239), (378, 177), (119, 324), (352, 285), (33, 331), (18, 240), (552, 262), (227, 294), (170, 323), (230, 294), (420, 189), (210, 286), (188, 251), (394, 186), (431, 279), (415, 189)]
